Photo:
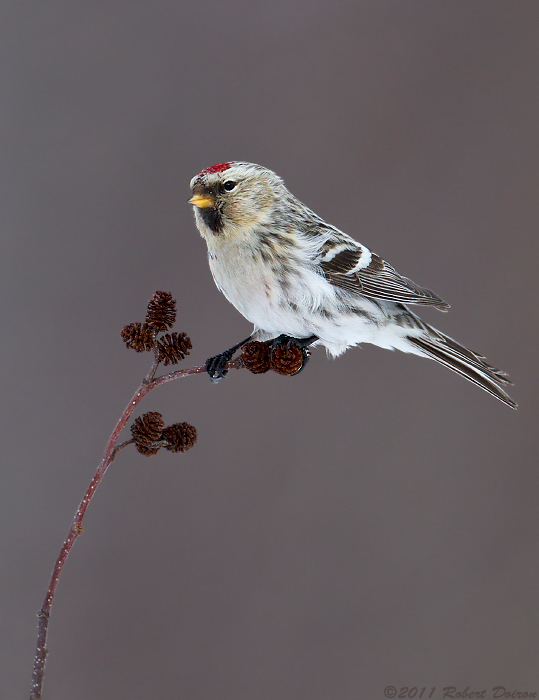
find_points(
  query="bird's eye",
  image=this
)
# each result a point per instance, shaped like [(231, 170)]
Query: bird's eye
[(229, 185)]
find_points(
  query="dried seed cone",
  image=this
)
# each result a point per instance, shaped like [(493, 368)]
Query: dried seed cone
[(180, 437), (173, 348), (147, 451), (256, 356), (146, 430), (161, 313), (286, 361), (138, 336)]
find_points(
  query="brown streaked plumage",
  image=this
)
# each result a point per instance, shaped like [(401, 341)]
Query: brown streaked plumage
[(295, 276)]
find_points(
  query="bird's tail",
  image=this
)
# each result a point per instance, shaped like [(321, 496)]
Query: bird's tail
[(469, 364)]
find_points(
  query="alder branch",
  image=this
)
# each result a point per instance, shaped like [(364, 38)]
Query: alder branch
[(148, 431)]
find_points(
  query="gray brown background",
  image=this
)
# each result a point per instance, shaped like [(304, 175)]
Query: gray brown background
[(370, 522)]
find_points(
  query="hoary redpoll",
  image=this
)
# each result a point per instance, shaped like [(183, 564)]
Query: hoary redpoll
[(302, 281)]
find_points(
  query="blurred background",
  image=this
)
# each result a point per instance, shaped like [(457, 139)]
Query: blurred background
[(371, 522)]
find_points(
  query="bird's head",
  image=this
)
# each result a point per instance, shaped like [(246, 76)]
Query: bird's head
[(231, 199)]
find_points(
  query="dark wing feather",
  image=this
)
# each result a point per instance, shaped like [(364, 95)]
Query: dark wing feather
[(342, 266)]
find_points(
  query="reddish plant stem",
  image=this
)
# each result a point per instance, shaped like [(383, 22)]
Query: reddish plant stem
[(112, 448)]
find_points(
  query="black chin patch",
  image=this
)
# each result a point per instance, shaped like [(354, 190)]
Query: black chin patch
[(212, 218)]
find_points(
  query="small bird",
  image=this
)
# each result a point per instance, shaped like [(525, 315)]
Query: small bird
[(302, 281)]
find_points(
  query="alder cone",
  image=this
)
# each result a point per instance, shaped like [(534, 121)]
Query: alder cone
[(161, 313), (256, 357), (180, 437), (146, 430), (147, 451), (173, 348), (286, 361), (138, 336)]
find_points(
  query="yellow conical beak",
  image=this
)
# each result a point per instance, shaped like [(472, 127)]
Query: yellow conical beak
[(202, 201)]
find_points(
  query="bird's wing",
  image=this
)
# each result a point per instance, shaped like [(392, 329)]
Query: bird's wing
[(351, 266)]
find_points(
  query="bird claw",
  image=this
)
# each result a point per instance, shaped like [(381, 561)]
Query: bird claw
[(280, 340), (215, 366)]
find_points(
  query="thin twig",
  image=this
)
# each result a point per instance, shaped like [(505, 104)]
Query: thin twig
[(155, 364), (147, 384), (120, 447)]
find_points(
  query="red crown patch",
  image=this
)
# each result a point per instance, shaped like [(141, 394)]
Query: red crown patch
[(218, 168)]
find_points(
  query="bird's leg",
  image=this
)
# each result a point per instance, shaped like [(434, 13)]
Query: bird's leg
[(215, 366), (301, 343)]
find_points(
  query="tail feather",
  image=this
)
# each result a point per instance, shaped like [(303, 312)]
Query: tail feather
[(465, 362), (474, 358)]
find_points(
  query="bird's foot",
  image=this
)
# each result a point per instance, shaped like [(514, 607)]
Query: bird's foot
[(215, 366)]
